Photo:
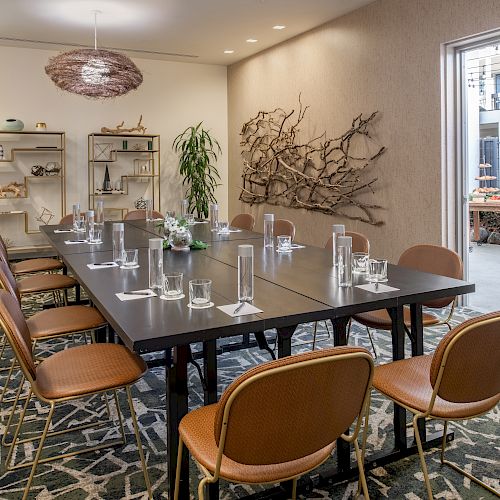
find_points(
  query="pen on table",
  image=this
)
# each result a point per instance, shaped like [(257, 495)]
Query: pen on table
[(238, 309), (104, 263), (137, 293)]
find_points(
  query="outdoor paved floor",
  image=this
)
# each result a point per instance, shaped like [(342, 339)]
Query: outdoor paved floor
[(484, 271)]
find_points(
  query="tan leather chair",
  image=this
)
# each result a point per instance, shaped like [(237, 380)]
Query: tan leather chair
[(42, 264), (141, 215), (360, 242), (429, 259), (74, 373), (461, 380), (243, 221), (229, 441), (67, 220), (284, 227)]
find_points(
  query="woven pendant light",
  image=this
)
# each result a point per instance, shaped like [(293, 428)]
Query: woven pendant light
[(95, 73)]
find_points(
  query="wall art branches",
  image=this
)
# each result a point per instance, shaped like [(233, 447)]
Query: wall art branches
[(321, 174)]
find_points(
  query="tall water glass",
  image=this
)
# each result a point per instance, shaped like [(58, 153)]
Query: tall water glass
[(149, 210), (89, 225), (214, 217), (338, 230), (118, 241), (99, 212), (344, 253), (184, 208), (156, 264), (268, 230), (245, 273), (76, 215)]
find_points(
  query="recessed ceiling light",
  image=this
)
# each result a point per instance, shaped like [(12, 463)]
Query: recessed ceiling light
[(252, 40), (279, 27), (229, 51)]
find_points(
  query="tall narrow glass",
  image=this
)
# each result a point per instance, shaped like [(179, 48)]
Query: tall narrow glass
[(89, 225), (118, 241), (99, 212), (268, 230), (344, 253), (245, 273), (156, 265), (184, 207), (338, 230), (214, 217), (149, 210), (76, 215)]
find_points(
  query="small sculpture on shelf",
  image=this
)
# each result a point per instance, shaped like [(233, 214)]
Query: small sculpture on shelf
[(139, 128), (1, 153), (37, 170), (140, 204), (106, 185), (52, 168), (13, 190)]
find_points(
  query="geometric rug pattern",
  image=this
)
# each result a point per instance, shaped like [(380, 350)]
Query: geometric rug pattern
[(115, 473)]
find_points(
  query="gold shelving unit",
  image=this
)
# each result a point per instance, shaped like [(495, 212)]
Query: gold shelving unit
[(127, 160), (40, 154)]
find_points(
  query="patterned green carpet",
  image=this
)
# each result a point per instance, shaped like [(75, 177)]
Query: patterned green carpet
[(115, 472)]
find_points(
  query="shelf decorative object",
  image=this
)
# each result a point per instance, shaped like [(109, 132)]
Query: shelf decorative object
[(37, 170), (45, 216), (12, 125), (41, 127), (119, 130), (320, 174), (140, 204), (106, 184), (13, 190), (103, 151)]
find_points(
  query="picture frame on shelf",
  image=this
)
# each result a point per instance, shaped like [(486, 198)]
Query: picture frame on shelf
[(103, 151)]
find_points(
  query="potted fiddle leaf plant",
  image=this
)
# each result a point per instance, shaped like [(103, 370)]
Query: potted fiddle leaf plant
[(198, 152)]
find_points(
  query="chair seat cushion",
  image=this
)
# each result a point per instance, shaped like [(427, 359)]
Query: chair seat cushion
[(380, 319), (197, 432), (36, 265), (86, 369), (64, 320), (408, 381), (45, 282)]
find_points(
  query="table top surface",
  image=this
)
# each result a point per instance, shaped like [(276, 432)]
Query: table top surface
[(290, 288)]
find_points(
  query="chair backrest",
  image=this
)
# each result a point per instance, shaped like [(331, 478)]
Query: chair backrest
[(469, 356), (141, 214), (67, 219), (16, 329), (292, 407), (434, 259), (284, 227), (3, 250), (7, 280), (360, 242), (243, 221)]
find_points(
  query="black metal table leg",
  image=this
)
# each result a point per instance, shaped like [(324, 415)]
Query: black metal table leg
[(210, 396), (285, 340), (398, 352), (417, 348), (177, 407)]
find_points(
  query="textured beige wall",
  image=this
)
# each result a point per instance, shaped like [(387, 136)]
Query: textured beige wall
[(385, 57)]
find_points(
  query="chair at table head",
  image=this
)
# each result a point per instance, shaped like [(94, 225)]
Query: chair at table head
[(284, 227), (360, 242), (141, 215), (243, 221)]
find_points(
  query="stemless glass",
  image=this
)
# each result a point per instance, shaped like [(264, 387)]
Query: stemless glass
[(173, 286), (130, 259), (360, 262), (190, 219), (95, 234), (377, 270), (149, 210), (284, 244), (223, 227), (199, 293), (79, 224)]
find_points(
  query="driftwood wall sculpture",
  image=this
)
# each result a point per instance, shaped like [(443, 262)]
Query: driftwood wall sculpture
[(321, 174)]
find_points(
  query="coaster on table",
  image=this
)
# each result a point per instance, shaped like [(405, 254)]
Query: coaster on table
[(137, 294), (63, 231), (206, 306), (95, 242), (137, 266), (200, 222), (295, 245), (176, 297), (246, 309), (102, 265), (370, 287), (75, 242)]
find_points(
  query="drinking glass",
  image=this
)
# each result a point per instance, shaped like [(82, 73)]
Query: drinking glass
[(130, 259), (199, 293), (76, 215), (149, 210), (284, 244), (170, 214), (344, 254), (223, 227), (99, 212), (377, 269), (79, 224), (172, 285), (360, 262), (190, 219), (118, 241), (214, 217), (184, 208), (268, 230), (95, 233), (245, 273)]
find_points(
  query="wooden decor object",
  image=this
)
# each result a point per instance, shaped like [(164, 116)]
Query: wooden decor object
[(320, 174), (139, 128)]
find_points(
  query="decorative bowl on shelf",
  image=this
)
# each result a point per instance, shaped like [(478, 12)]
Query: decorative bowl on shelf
[(12, 125)]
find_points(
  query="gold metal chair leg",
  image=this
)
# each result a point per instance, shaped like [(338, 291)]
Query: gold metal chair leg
[(139, 442), (462, 471), (18, 429), (362, 478), (371, 342), (120, 419), (422, 457), (294, 488), (201, 488), (178, 469), (39, 451), (13, 411), (7, 380)]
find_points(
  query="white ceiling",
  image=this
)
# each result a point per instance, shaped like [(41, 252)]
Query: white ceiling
[(199, 28)]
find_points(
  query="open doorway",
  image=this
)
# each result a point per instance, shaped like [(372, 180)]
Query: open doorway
[(481, 131)]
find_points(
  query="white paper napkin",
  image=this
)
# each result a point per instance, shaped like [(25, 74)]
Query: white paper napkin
[(370, 287), (222, 233), (124, 297), (295, 245), (73, 242), (107, 265), (246, 309), (63, 230), (200, 222)]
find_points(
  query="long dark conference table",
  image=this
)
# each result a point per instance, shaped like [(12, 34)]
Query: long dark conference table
[(291, 289)]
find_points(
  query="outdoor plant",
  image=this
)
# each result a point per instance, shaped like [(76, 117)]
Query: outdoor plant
[(197, 157)]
